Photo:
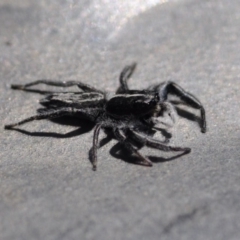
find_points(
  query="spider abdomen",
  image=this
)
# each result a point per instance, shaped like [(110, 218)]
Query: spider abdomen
[(75, 100)]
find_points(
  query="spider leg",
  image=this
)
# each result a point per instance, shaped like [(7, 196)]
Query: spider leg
[(45, 115), (95, 146), (150, 142), (124, 76), (83, 86), (120, 136), (172, 88)]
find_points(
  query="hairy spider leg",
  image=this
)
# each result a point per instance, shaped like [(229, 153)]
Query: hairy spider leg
[(55, 113), (124, 76), (83, 86), (95, 146), (120, 136), (172, 88), (153, 143)]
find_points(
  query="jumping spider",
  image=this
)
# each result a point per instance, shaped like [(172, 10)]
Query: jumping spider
[(129, 114)]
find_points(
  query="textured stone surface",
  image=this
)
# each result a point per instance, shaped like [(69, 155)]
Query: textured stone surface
[(48, 190)]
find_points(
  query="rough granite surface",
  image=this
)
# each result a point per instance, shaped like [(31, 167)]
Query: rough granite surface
[(47, 187)]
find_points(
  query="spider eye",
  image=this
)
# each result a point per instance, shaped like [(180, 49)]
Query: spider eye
[(155, 99)]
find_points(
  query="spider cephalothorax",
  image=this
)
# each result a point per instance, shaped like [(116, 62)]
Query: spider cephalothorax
[(129, 114)]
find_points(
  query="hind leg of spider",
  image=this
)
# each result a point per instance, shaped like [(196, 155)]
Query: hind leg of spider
[(83, 86), (93, 151), (172, 88), (45, 115), (87, 113), (124, 76), (120, 136), (150, 142)]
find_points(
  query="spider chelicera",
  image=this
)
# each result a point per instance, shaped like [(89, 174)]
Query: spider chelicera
[(129, 114)]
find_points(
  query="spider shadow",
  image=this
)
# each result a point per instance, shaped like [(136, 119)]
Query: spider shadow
[(184, 113), (117, 151), (84, 126), (163, 159)]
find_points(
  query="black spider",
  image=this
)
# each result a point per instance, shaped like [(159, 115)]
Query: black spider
[(129, 114)]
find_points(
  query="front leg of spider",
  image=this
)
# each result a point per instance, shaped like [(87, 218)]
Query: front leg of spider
[(172, 88), (163, 90)]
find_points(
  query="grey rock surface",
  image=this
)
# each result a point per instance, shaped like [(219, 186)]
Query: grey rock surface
[(47, 188)]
